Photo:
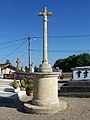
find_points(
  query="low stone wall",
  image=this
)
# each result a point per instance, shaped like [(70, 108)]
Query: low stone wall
[(67, 75)]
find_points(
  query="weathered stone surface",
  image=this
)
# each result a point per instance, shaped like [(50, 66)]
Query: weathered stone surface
[(45, 91), (45, 67), (30, 108)]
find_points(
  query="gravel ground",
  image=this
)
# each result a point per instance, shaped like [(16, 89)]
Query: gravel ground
[(78, 109)]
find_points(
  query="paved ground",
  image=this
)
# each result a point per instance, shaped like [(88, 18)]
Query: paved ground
[(78, 109)]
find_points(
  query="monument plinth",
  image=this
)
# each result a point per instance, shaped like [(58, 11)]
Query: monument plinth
[(45, 92), (45, 95)]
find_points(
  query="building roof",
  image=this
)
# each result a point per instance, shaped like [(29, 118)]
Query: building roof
[(3, 66), (81, 68)]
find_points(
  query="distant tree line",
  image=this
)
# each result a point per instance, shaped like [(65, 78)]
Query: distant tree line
[(67, 63), (73, 61), (36, 69)]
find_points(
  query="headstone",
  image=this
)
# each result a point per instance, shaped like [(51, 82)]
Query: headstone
[(18, 63), (81, 73), (32, 68)]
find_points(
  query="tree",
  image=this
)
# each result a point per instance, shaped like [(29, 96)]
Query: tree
[(36, 69), (27, 69), (73, 61), (7, 61)]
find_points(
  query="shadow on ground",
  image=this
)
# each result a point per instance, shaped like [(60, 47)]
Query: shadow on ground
[(19, 105)]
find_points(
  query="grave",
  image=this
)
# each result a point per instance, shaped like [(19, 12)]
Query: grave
[(18, 63), (45, 92), (79, 85), (81, 73), (7, 93)]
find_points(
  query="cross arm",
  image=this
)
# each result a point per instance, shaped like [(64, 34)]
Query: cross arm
[(40, 14), (49, 14)]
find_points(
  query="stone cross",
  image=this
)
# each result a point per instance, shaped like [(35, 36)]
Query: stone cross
[(45, 86), (45, 53), (18, 63)]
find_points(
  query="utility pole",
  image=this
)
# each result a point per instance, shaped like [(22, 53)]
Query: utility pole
[(29, 53)]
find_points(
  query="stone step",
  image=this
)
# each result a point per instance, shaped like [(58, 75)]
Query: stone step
[(7, 92), (8, 97), (3, 85), (11, 97), (66, 88), (78, 83), (6, 88), (7, 81), (63, 81), (74, 94)]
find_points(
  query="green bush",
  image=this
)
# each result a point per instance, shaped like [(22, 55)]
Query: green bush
[(14, 84), (30, 82), (23, 83), (29, 89)]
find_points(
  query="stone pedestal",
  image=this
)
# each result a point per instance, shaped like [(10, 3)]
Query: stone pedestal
[(45, 89), (45, 67), (45, 95)]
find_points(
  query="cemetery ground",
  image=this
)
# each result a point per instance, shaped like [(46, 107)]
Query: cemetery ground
[(78, 109)]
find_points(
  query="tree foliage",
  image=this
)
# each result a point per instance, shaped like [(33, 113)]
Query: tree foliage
[(73, 61), (27, 69), (7, 61), (36, 69)]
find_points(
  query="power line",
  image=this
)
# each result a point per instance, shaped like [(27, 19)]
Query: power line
[(65, 36), (37, 37), (23, 54), (12, 41), (69, 50), (48, 50), (33, 50), (14, 50), (7, 46), (68, 36)]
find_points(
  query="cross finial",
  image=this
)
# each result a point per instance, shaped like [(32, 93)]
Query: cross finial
[(44, 13)]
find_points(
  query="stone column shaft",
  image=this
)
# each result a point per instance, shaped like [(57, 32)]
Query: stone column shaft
[(45, 67), (45, 56)]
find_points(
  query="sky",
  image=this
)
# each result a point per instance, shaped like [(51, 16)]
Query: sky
[(68, 29)]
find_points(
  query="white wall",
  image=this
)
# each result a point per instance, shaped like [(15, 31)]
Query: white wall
[(82, 77), (7, 71)]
